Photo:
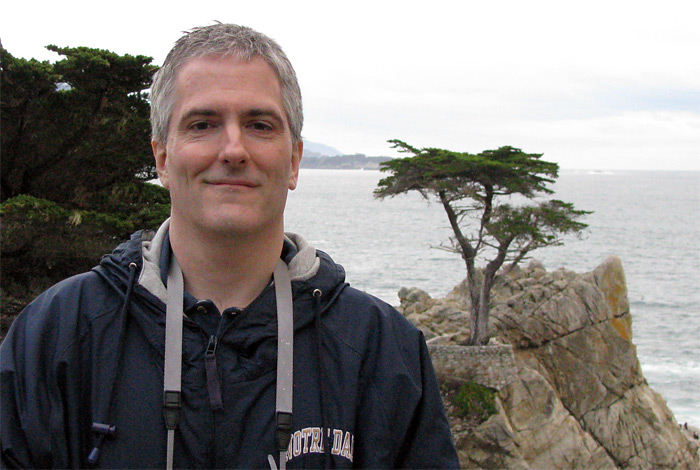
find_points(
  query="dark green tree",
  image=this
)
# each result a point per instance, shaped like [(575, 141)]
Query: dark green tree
[(76, 157), (74, 128), (484, 198)]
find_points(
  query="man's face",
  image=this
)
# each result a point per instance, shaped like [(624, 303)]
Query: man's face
[(229, 160)]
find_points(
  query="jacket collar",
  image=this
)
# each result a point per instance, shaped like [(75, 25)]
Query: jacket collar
[(301, 258)]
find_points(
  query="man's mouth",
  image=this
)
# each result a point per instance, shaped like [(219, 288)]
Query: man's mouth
[(233, 182)]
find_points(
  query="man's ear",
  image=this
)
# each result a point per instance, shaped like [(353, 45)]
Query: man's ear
[(161, 156), (297, 150)]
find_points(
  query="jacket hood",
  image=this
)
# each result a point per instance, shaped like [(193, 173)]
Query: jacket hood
[(310, 271)]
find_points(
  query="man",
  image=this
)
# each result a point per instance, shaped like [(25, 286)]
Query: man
[(166, 354)]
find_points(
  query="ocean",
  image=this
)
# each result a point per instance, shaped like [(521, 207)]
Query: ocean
[(651, 220)]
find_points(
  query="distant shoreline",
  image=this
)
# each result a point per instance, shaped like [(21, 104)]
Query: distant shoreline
[(342, 162)]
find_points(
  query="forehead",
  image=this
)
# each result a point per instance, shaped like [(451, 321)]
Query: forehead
[(221, 78)]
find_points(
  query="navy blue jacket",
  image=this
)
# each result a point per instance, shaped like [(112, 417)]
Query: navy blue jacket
[(90, 349)]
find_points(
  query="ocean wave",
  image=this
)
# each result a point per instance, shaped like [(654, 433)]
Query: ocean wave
[(683, 305), (679, 370)]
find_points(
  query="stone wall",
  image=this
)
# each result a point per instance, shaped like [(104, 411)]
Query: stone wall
[(490, 366)]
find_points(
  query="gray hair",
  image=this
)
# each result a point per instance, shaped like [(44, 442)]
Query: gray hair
[(223, 40)]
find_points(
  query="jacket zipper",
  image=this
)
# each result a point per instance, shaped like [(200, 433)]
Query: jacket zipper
[(213, 386)]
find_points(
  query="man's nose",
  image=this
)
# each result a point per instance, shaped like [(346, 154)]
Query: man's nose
[(233, 150)]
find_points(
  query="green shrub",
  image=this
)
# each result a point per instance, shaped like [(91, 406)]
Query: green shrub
[(475, 401), (44, 242)]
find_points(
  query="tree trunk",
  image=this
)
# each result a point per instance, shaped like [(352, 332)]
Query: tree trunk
[(479, 335), (479, 319)]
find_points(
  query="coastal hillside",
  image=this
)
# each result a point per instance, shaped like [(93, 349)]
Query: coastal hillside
[(560, 385), (321, 156), (317, 149), (343, 162)]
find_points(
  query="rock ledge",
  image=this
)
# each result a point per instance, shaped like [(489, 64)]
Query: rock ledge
[(570, 390)]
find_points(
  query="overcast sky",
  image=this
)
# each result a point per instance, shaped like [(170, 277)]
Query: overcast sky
[(596, 84)]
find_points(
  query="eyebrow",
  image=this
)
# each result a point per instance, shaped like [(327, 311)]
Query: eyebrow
[(196, 112), (258, 112), (253, 112)]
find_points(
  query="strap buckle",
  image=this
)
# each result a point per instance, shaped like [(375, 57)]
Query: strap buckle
[(172, 402), (284, 430)]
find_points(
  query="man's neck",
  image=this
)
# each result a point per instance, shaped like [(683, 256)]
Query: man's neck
[(229, 270)]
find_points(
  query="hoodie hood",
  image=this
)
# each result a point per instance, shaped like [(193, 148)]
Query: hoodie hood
[(302, 267), (310, 271)]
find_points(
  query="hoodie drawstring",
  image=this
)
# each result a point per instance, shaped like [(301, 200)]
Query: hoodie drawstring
[(100, 427), (322, 384)]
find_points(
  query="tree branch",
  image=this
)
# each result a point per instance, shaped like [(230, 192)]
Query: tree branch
[(467, 250), (518, 258), (486, 215)]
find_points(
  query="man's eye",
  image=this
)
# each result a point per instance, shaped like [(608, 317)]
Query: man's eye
[(261, 126), (200, 126)]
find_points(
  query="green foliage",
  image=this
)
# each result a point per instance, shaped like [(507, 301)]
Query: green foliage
[(474, 402), (535, 226), (76, 158), (488, 223), (451, 177), (474, 399), (504, 171), (74, 127), (44, 242)]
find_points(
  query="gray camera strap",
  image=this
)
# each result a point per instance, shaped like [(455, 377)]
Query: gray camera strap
[(173, 359), (173, 355), (285, 361)]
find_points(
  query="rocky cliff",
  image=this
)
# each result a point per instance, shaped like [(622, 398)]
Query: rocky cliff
[(567, 385)]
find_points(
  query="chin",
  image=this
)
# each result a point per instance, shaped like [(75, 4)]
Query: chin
[(226, 226)]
